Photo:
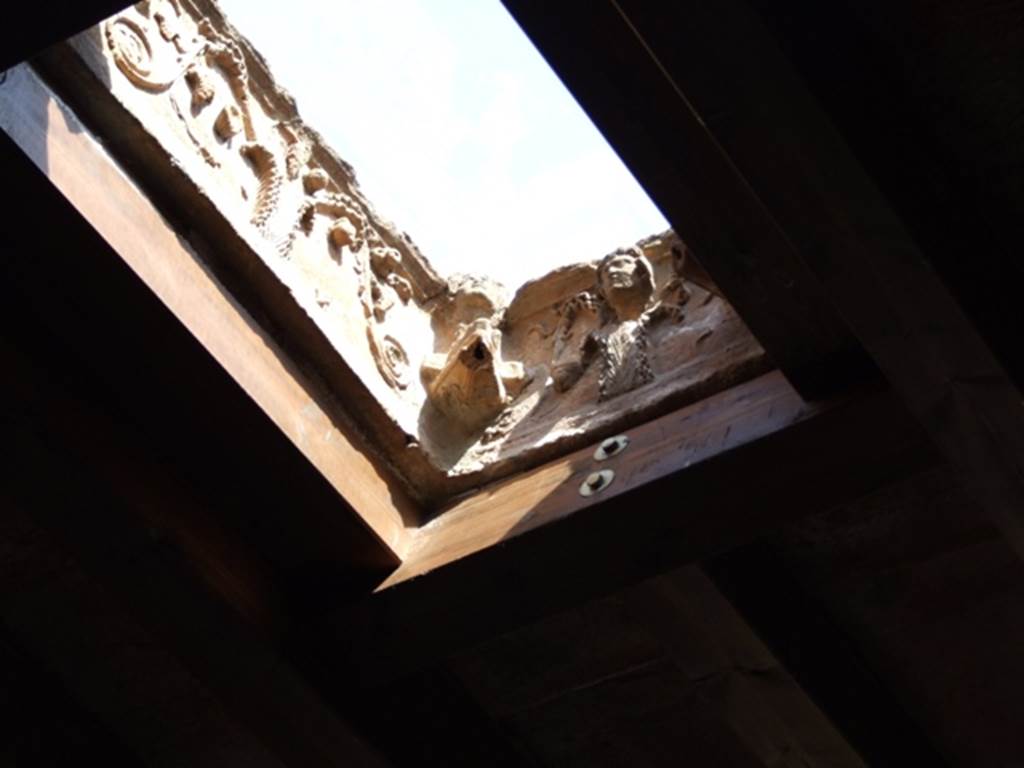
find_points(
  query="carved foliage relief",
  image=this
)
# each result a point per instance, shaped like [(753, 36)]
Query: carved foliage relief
[(245, 145)]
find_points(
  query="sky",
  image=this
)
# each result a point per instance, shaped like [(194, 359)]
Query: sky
[(458, 130)]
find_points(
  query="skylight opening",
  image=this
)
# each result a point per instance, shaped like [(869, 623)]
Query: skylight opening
[(458, 130), (465, 139)]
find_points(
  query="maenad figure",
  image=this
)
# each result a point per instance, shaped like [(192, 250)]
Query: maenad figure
[(623, 309)]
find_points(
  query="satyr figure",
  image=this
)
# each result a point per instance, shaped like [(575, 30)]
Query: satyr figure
[(471, 384), (610, 327)]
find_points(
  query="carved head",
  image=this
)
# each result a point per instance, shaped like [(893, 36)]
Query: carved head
[(626, 281), (466, 384)]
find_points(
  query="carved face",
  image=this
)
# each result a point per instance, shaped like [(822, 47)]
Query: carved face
[(467, 385), (619, 272), (625, 280)]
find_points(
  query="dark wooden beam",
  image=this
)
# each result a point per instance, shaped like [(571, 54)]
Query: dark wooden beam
[(820, 657), (120, 259), (655, 129), (76, 474), (80, 644), (177, 492), (44, 722), (661, 669), (745, 127), (425, 719), (39, 25), (929, 97), (691, 484)]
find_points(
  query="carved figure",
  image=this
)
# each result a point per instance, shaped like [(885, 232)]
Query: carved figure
[(170, 27), (471, 384), (626, 282), (229, 124), (611, 327), (201, 86)]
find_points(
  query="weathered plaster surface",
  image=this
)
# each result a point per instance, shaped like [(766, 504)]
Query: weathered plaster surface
[(476, 383)]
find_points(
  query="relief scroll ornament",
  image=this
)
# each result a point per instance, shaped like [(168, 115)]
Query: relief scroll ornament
[(377, 299), (148, 66), (133, 54), (154, 49), (390, 356), (155, 45)]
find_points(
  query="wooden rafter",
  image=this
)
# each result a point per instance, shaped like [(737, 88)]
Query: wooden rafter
[(297, 403), (693, 483)]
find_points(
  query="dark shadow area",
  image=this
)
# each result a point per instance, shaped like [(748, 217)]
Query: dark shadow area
[(908, 599), (930, 98), (179, 493), (820, 657), (40, 25), (676, 499), (43, 723), (74, 308)]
